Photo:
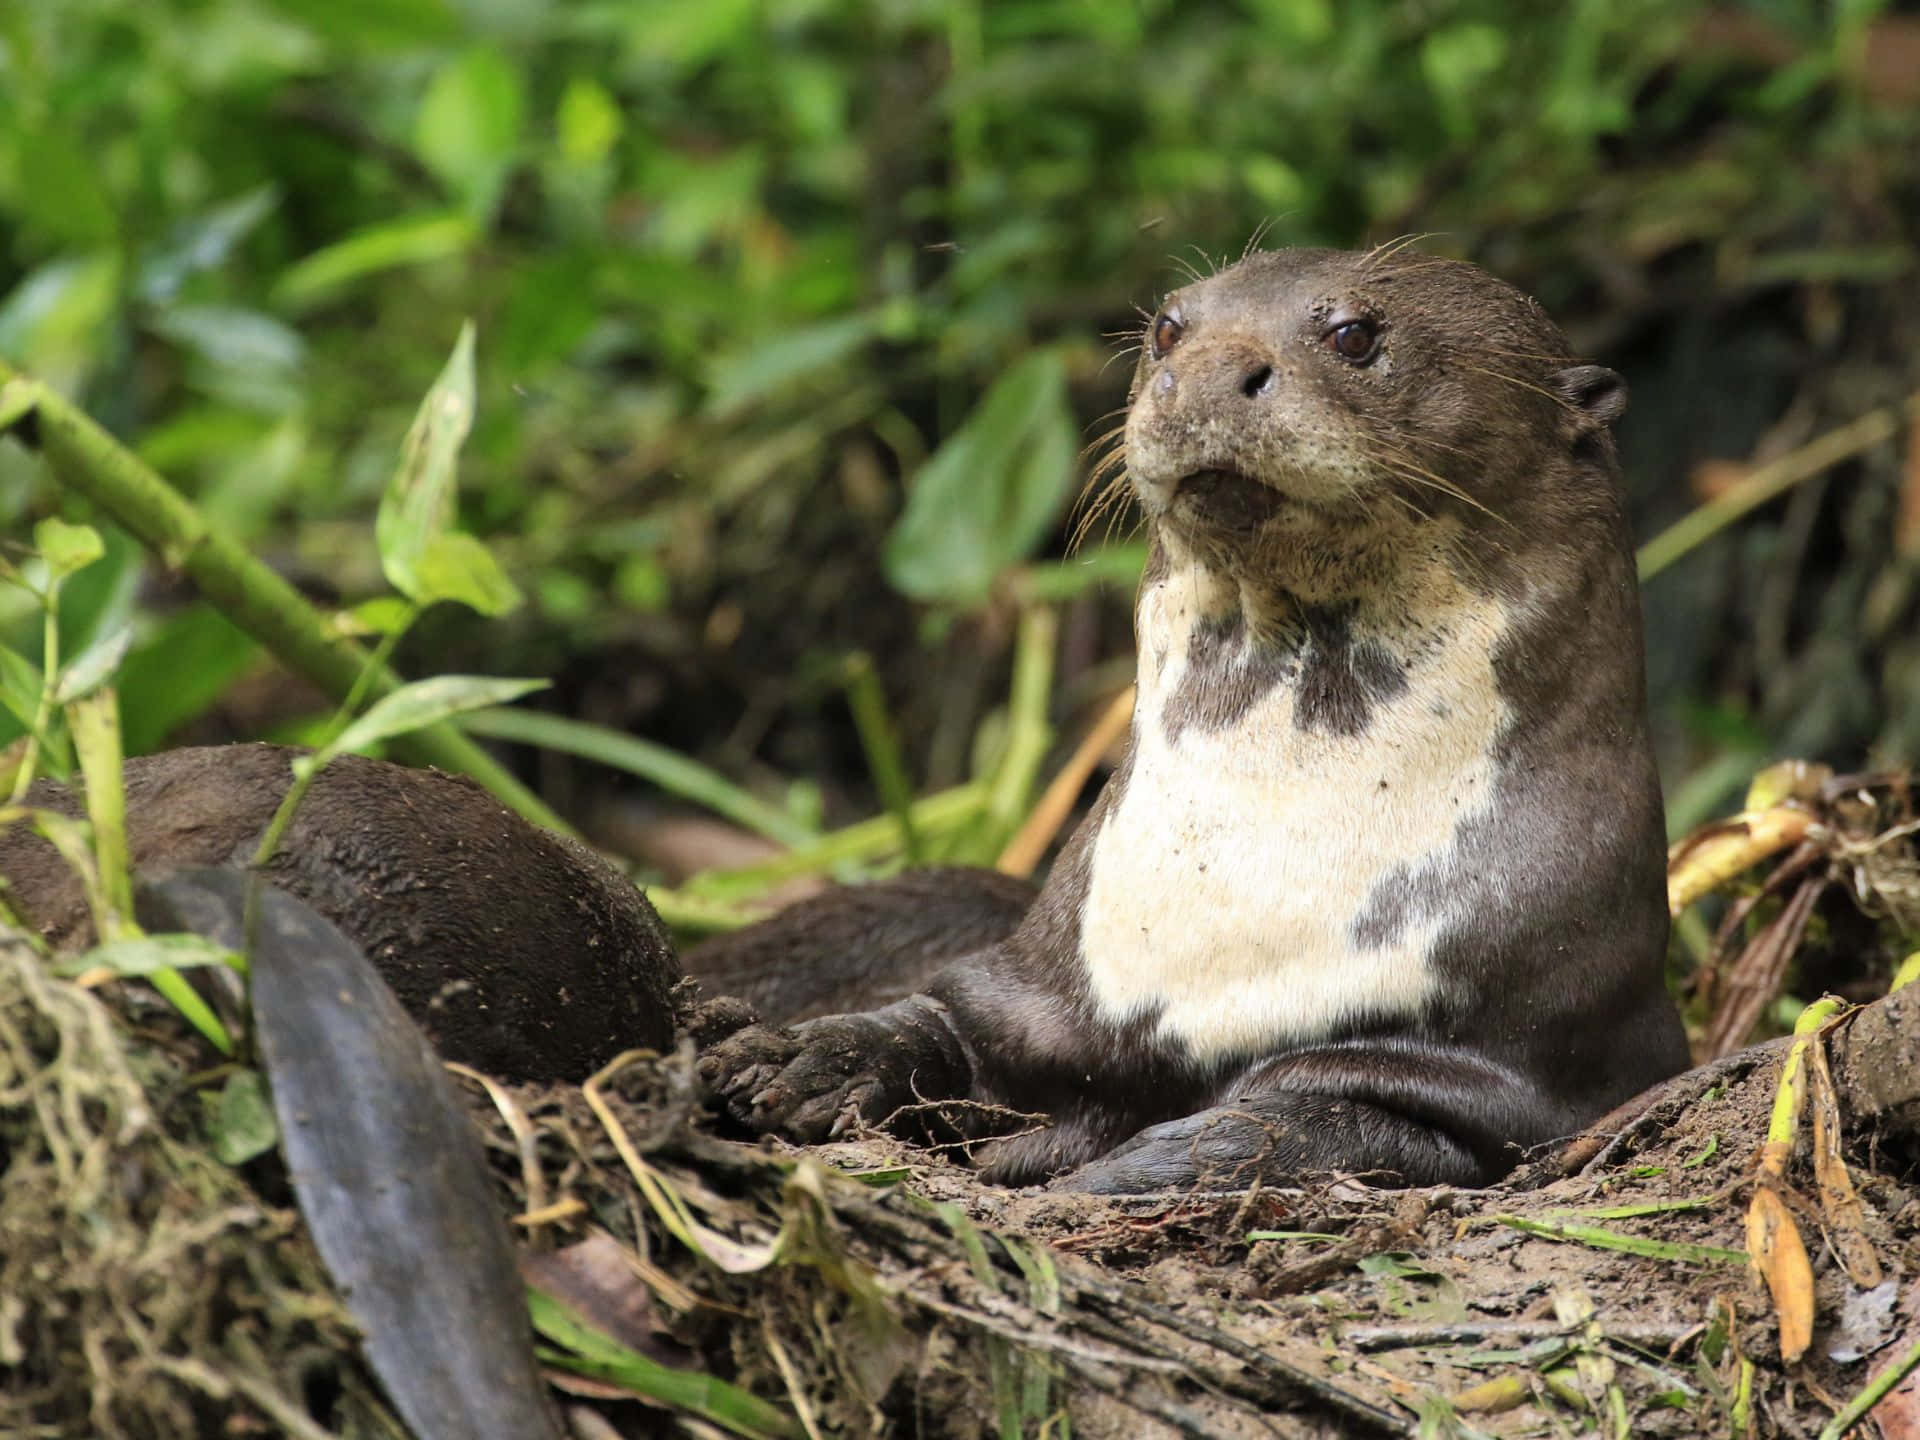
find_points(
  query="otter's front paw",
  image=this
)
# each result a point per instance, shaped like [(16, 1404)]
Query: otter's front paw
[(1222, 1148), (810, 1083)]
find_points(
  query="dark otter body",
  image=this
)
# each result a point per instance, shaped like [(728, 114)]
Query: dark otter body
[(518, 951), (1379, 887)]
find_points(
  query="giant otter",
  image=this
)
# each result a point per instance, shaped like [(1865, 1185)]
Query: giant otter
[(1379, 886), (517, 950)]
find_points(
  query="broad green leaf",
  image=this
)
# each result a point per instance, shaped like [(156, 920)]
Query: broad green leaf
[(150, 954), (765, 365), (243, 1123), (989, 494), (243, 356), (589, 122), (420, 704), (67, 548), (468, 126), (201, 242), (458, 567), (1458, 61), (375, 24), (598, 1354), (418, 503), (57, 320), (414, 240), (19, 686), (94, 667)]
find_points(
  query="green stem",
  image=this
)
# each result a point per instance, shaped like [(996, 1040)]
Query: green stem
[(49, 677), (865, 840), (670, 770), (1876, 1390), (882, 746), (1028, 731), (85, 458), (376, 665), (1764, 483)]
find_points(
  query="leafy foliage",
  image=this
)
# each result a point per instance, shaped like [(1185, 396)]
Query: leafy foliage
[(757, 280)]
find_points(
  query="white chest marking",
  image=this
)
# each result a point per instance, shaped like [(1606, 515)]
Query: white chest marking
[(1226, 882)]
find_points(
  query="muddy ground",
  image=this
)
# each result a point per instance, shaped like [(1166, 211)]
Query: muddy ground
[(869, 1288)]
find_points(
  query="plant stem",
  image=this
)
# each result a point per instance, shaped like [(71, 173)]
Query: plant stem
[(87, 459), (1875, 1391), (49, 677), (1774, 478), (884, 762)]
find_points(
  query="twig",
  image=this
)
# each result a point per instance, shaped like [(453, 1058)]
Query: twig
[(1772, 479), (1756, 975)]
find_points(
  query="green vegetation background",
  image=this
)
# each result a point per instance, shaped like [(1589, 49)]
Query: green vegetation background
[(793, 321)]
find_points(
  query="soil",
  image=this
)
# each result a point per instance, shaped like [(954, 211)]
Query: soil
[(872, 1288)]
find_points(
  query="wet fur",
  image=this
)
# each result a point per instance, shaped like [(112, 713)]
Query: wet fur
[(1379, 887)]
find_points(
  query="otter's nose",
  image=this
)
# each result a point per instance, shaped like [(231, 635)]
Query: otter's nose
[(1257, 381)]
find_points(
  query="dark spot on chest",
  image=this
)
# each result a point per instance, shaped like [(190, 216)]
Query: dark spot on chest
[(1225, 677), (1338, 679), (1343, 678)]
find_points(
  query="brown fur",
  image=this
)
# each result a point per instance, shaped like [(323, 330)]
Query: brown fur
[(1391, 612)]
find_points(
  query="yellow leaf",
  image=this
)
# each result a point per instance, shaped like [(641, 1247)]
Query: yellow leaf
[(1703, 862), (1780, 1257)]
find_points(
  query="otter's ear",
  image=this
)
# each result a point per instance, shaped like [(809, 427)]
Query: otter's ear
[(1597, 392)]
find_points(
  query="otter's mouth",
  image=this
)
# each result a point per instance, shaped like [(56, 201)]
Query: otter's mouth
[(1225, 498)]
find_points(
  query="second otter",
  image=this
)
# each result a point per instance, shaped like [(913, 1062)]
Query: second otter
[(1379, 887)]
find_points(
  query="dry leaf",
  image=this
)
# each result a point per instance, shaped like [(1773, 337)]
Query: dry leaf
[(1700, 866), (1840, 1207), (1780, 1257)]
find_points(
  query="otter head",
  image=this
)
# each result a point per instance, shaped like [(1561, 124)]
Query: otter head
[(1296, 418)]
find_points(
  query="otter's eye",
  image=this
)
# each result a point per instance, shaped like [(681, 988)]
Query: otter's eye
[(1355, 341), (1167, 331)]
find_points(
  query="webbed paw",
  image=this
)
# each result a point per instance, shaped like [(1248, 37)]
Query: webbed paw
[(810, 1083), (1220, 1147)]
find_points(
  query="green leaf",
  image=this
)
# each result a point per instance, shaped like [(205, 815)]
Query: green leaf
[(415, 240), (242, 1124), (149, 955), (458, 567), (765, 365), (1458, 61), (385, 614), (707, 1396), (589, 122), (375, 24), (19, 686), (418, 503), (67, 548), (669, 769), (94, 667), (414, 706), (57, 321), (202, 242), (468, 126), (990, 493)]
